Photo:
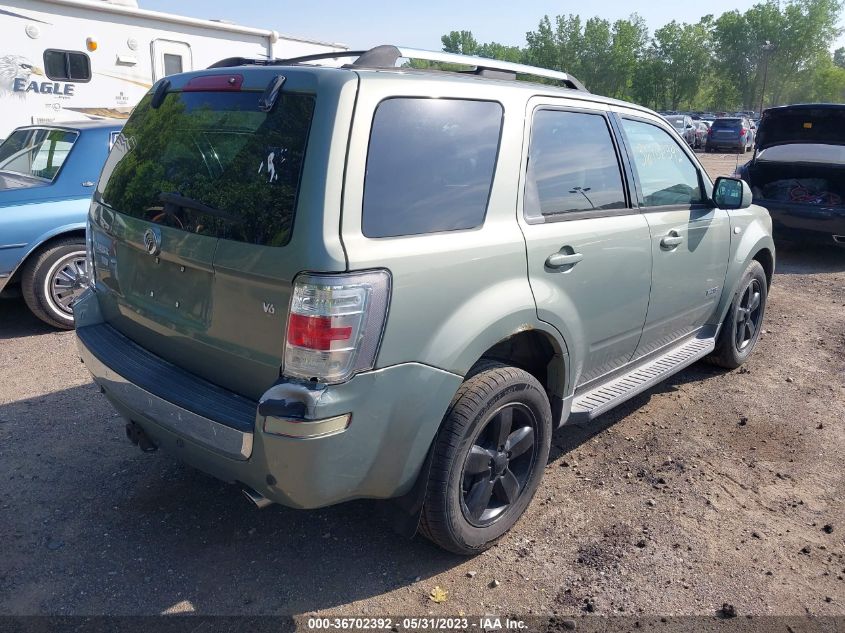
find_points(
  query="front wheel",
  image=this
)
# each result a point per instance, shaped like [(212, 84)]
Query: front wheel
[(488, 458), (52, 279), (742, 326)]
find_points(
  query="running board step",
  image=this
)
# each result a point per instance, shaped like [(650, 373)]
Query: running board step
[(591, 404)]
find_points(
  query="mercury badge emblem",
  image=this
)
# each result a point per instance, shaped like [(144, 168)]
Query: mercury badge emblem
[(152, 241)]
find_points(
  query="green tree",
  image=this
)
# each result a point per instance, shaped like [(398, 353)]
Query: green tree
[(650, 83), (629, 40), (596, 55), (494, 50), (461, 42), (684, 50), (839, 57), (808, 28)]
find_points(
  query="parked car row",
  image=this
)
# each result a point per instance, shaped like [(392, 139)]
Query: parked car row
[(735, 133)]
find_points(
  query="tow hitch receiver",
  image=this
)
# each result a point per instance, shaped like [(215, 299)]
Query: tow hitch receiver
[(137, 436)]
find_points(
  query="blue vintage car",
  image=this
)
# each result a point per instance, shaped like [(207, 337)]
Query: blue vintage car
[(47, 176)]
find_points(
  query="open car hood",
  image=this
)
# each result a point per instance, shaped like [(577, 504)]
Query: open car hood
[(815, 123)]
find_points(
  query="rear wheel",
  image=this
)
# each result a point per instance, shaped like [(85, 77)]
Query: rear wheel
[(741, 328), (488, 458), (53, 278)]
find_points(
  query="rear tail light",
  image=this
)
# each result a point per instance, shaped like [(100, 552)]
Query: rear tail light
[(742, 132), (335, 325), (710, 131)]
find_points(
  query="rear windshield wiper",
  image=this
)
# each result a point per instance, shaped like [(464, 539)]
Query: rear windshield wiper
[(183, 202)]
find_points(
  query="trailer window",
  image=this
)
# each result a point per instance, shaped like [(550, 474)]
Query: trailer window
[(172, 64), (67, 65)]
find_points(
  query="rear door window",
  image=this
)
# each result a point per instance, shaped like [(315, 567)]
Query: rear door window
[(572, 166), (212, 163), (430, 165)]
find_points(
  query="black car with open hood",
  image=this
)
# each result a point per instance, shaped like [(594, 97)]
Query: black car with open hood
[(798, 171)]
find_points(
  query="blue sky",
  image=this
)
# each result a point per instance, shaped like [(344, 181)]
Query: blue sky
[(364, 23)]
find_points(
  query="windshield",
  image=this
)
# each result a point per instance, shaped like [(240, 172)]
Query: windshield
[(212, 163), (38, 153)]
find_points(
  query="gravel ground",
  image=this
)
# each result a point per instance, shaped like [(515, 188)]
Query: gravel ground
[(715, 487)]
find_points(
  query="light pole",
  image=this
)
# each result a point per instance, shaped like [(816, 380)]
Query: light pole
[(766, 48)]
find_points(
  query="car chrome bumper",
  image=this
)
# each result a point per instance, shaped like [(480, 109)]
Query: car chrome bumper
[(218, 437)]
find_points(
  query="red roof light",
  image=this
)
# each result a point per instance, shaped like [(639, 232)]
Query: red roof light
[(214, 83)]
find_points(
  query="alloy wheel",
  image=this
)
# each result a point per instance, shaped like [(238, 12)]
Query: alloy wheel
[(749, 315), (499, 464)]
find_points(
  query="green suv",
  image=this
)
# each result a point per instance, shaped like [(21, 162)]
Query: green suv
[(387, 282)]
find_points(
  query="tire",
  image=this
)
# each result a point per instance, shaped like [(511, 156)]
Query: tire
[(458, 482), (730, 352), (49, 283)]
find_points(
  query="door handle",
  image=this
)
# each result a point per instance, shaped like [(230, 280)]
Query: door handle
[(672, 240), (559, 260)]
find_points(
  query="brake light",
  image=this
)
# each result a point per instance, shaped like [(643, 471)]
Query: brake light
[(315, 332), (742, 132), (335, 325), (710, 131), (214, 83)]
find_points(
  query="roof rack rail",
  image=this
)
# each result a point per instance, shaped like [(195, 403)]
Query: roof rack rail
[(386, 56)]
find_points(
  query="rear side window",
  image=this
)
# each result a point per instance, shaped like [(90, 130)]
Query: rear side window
[(572, 166), (67, 65), (430, 165), (212, 163), (41, 154)]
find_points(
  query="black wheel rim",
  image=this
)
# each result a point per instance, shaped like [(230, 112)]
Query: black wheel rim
[(499, 464), (749, 313)]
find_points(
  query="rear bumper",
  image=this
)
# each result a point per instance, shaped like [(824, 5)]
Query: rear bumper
[(731, 144), (806, 222), (395, 414)]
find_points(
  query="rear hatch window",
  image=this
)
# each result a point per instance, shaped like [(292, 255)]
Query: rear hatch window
[(727, 124), (212, 164)]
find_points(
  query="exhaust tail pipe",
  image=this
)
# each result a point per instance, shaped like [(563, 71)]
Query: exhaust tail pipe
[(139, 438), (257, 498)]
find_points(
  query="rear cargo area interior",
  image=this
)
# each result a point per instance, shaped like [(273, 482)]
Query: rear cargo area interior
[(805, 183)]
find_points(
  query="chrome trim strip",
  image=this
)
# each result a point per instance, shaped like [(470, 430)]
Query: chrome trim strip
[(210, 434), (4, 247)]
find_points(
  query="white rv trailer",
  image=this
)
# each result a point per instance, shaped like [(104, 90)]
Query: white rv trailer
[(64, 60)]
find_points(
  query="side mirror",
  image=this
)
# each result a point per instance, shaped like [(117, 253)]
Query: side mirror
[(731, 193)]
